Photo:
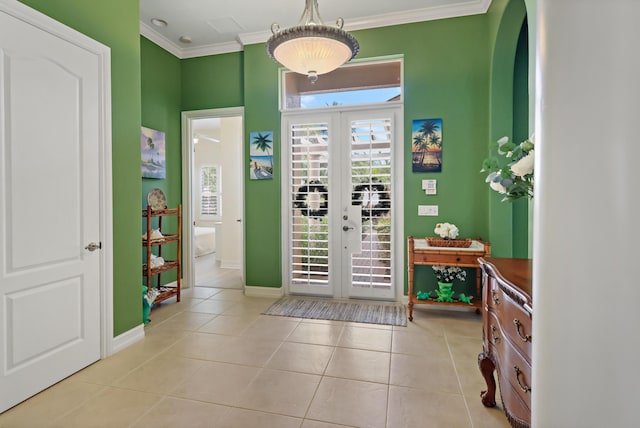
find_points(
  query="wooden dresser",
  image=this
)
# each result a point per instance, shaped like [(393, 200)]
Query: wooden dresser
[(506, 330)]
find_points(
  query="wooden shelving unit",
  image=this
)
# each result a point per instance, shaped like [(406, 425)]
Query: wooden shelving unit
[(154, 246)]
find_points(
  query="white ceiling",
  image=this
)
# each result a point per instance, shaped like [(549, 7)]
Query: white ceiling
[(221, 26)]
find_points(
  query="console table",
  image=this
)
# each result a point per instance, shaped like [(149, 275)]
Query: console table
[(506, 331), (421, 253)]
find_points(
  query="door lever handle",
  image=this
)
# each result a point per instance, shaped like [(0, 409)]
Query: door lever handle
[(347, 228), (93, 246)]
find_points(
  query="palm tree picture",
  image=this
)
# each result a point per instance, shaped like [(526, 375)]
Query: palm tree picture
[(261, 155), (426, 145)]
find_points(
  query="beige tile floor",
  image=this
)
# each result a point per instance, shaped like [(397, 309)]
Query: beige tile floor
[(213, 360)]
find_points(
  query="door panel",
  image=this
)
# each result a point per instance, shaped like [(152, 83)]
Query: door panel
[(340, 203), (369, 177), (309, 209), (49, 209)]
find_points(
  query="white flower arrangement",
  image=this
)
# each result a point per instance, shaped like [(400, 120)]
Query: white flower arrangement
[(515, 178), (449, 273), (446, 230)]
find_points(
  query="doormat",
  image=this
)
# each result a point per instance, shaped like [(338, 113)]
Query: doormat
[(336, 310)]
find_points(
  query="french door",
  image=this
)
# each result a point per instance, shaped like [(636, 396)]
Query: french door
[(341, 216)]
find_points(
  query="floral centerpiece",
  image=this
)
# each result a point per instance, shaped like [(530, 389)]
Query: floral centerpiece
[(513, 176), (449, 273), (446, 230)]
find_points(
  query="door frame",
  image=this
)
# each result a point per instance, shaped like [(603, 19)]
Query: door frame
[(108, 343), (397, 163), (188, 193)]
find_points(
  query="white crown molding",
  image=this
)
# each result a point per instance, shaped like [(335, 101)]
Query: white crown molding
[(253, 38), (160, 40), (474, 7), (215, 49), (471, 7)]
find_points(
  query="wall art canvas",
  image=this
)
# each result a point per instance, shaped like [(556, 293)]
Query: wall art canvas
[(152, 146), (426, 145), (261, 155)]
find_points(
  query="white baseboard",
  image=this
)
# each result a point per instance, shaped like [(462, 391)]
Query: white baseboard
[(253, 291), (127, 339), (229, 264)]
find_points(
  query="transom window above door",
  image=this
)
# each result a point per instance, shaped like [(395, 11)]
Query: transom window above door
[(361, 83)]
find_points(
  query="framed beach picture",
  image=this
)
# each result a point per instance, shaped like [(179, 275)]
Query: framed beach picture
[(426, 145), (152, 147), (261, 155)]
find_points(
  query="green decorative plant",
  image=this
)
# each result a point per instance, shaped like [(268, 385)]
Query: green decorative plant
[(511, 174)]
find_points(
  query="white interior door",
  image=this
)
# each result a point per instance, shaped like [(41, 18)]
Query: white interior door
[(340, 197), (50, 128)]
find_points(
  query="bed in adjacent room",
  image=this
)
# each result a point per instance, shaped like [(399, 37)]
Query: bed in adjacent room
[(205, 240)]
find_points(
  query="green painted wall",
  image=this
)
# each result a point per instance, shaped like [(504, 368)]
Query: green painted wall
[(115, 23), (212, 82), (161, 98), (505, 22), (262, 197), (520, 133)]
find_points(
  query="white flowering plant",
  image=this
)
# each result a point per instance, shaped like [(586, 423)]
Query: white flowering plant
[(449, 273), (513, 176), (446, 230)]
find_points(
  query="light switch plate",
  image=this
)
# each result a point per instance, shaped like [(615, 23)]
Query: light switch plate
[(427, 210)]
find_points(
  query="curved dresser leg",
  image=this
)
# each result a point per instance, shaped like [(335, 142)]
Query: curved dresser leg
[(487, 368), (410, 310)]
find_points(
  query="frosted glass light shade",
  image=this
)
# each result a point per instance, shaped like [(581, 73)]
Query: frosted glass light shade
[(312, 49)]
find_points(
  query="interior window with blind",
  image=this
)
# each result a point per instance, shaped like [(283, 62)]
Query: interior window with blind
[(210, 192)]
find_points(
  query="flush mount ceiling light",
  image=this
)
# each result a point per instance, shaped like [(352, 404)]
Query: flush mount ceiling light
[(159, 22), (311, 47)]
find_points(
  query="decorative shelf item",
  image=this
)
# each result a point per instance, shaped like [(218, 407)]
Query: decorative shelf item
[(156, 199)]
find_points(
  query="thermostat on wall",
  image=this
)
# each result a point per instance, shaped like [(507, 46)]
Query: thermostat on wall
[(429, 187)]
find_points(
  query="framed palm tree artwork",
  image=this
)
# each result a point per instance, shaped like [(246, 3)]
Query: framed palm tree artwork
[(426, 145), (261, 155)]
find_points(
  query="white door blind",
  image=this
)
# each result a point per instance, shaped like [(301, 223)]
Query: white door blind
[(309, 255), (371, 184)]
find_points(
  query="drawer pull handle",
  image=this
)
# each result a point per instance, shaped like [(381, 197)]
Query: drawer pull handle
[(524, 337), (495, 338), (524, 388), (494, 297)]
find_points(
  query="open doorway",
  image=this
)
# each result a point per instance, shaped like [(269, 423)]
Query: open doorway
[(213, 198)]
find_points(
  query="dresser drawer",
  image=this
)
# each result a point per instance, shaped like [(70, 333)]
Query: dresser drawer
[(446, 259), (513, 318), (517, 372), (512, 366), (518, 412)]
